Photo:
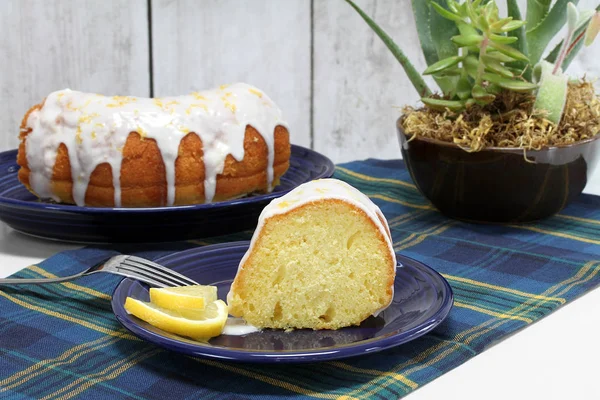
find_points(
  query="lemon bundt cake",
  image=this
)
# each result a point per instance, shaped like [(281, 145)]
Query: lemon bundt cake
[(321, 258), (88, 149)]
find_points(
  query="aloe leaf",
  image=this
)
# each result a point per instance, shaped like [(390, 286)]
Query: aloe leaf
[(442, 105), (410, 70), (421, 12), (445, 13), (537, 10), (540, 35), (509, 51), (434, 34), (443, 64), (552, 93), (521, 44)]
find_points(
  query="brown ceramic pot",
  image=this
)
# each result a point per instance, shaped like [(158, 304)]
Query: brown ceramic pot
[(497, 184)]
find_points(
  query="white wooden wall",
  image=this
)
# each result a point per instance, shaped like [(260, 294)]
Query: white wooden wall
[(337, 84)]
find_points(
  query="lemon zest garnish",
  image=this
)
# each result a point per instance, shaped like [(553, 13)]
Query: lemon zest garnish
[(255, 92), (198, 96), (120, 101)]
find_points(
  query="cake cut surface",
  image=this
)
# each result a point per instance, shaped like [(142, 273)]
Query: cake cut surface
[(89, 149), (320, 258)]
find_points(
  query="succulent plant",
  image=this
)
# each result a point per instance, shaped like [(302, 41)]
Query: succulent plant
[(473, 54)]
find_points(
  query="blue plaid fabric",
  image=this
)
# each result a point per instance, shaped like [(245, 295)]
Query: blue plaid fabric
[(62, 341)]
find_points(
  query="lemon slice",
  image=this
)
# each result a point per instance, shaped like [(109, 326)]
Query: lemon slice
[(193, 323), (175, 298)]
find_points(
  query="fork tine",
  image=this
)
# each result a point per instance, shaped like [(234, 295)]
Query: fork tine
[(146, 276), (126, 272), (157, 274), (166, 271)]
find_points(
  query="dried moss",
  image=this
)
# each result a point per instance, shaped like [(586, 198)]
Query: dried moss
[(509, 122)]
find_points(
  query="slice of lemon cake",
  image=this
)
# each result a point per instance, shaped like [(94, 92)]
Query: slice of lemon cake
[(321, 258)]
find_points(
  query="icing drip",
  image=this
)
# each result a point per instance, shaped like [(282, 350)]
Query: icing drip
[(317, 190), (238, 327), (94, 129)]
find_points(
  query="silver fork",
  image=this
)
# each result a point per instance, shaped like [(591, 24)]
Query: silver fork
[(128, 266)]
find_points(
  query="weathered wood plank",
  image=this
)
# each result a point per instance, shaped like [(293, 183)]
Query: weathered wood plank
[(88, 45), (264, 43), (359, 86)]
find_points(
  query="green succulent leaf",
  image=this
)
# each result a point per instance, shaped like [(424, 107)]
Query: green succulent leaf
[(552, 94), (493, 88), (509, 84), (471, 64), (509, 51), (451, 72), (410, 70), (463, 87), (497, 26), (452, 6), (495, 66), (541, 34), (481, 95), (503, 39), (445, 13), (572, 16), (467, 40), (442, 105), (512, 25), (497, 56), (462, 10), (443, 64)]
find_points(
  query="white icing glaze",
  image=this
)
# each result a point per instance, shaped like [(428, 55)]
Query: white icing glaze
[(238, 327), (318, 190), (94, 128)]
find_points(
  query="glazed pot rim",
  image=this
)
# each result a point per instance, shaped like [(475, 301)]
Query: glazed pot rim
[(497, 149)]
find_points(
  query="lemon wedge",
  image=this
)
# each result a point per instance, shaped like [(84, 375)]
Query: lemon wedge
[(194, 323), (175, 298)]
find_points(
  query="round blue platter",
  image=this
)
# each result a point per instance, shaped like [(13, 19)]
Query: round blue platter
[(422, 299), (26, 213)]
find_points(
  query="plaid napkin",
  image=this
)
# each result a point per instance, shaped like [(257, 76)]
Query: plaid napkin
[(62, 341)]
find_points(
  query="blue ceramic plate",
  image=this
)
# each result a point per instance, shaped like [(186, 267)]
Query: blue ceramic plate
[(26, 213), (422, 299)]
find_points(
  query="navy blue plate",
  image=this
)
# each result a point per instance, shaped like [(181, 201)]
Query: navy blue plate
[(422, 299), (26, 213)]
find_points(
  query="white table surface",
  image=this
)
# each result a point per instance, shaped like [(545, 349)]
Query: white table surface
[(556, 358)]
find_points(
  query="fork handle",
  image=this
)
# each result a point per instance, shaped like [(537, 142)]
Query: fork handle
[(37, 281)]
